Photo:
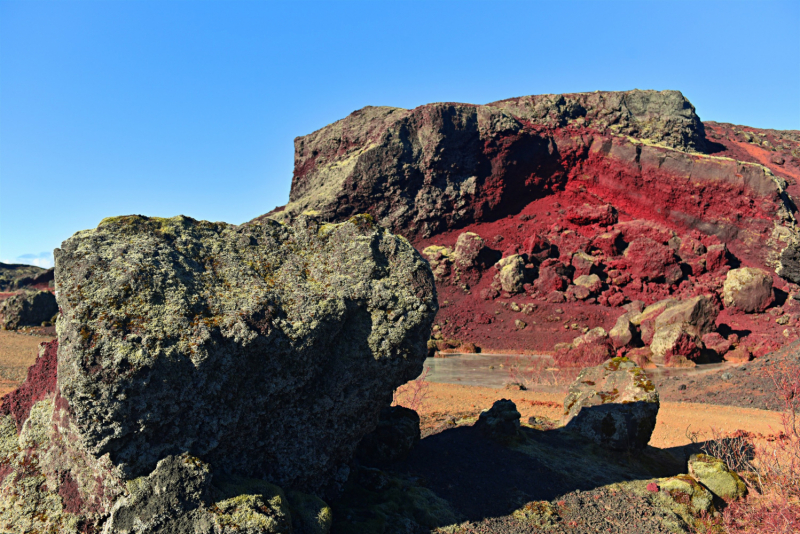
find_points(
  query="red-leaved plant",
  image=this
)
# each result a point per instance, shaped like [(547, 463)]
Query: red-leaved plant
[(412, 394)]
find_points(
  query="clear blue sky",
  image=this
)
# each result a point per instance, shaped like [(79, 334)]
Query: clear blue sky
[(191, 107)]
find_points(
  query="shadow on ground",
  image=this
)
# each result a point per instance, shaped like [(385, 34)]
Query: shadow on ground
[(483, 481)]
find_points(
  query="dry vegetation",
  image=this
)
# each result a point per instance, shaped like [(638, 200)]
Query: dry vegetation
[(770, 465)]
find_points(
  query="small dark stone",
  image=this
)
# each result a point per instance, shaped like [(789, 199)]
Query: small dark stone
[(501, 421)]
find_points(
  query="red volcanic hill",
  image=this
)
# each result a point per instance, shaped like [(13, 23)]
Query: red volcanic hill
[(543, 215)]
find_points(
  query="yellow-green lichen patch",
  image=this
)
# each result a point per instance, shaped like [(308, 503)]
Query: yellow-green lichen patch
[(310, 514), (248, 504), (27, 505), (253, 513), (9, 439), (37, 426)]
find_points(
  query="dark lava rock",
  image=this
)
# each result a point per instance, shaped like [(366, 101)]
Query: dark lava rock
[(29, 308), (501, 421), (614, 404), (262, 351), (789, 263)]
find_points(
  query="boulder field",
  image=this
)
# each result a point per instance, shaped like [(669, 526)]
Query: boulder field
[(541, 215), (208, 377)]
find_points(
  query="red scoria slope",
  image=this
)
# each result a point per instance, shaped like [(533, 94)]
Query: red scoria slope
[(593, 200)]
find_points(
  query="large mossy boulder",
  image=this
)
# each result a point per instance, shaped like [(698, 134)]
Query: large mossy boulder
[(613, 404), (263, 351)]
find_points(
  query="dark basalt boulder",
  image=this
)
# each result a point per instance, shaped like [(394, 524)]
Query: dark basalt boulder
[(209, 352), (501, 421), (29, 308)]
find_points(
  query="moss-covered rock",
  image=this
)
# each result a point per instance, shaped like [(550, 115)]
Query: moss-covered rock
[(264, 349), (188, 348), (613, 404), (394, 505), (715, 475), (687, 492), (310, 514)]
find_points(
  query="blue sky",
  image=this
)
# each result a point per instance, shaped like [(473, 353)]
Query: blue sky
[(177, 107)]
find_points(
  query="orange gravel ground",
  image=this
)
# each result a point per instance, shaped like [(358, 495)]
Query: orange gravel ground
[(673, 417)]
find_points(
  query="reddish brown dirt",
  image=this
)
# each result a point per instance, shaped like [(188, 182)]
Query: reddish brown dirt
[(40, 382), (731, 140)]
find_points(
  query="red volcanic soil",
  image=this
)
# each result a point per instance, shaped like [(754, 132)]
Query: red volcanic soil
[(41, 381), (777, 149), (490, 324)]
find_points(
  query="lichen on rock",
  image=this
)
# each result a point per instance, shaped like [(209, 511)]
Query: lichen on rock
[(202, 368), (241, 345), (613, 404)]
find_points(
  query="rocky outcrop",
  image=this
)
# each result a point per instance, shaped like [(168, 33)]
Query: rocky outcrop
[(28, 308), (192, 354), (613, 404), (591, 348), (442, 166), (17, 276), (623, 186), (674, 330), (427, 169)]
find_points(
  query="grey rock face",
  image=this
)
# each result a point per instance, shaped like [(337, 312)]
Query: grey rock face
[(170, 500), (697, 314), (181, 496), (613, 404), (264, 350), (789, 263), (29, 308)]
